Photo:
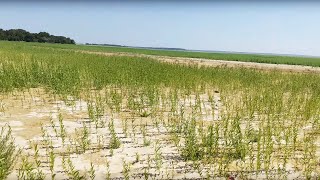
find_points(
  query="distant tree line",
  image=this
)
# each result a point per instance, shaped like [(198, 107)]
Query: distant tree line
[(42, 37)]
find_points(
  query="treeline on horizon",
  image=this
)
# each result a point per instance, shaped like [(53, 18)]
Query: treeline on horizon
[(41, 37)]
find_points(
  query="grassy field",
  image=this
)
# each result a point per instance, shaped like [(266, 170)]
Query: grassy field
[(307, 61), (87, 116)]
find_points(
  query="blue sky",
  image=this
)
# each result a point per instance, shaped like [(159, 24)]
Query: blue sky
[(285, 28)]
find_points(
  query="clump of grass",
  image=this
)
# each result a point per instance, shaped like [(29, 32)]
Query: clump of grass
[(191, 149), (29, 170), (8, 152), (26, 170), (114, 140)]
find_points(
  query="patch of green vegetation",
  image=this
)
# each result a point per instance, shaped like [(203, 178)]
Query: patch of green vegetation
[(259, 121), (8, 152), (272, 59)]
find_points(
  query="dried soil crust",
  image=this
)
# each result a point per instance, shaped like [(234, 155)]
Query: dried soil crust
[(217, 63)]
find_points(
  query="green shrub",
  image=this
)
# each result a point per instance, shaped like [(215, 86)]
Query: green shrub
[(8, 152)]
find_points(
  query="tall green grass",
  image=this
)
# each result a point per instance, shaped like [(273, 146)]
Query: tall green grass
[(24, 65), (8, 152), (273, 59)]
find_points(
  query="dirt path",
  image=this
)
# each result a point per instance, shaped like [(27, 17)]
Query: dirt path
[(216, 63)]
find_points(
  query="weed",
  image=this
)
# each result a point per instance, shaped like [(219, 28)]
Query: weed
[(8, 152)]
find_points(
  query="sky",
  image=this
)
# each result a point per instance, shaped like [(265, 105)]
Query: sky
[(267, 27)]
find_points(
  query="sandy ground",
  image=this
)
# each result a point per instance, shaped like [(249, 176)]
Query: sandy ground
[(217, 63)]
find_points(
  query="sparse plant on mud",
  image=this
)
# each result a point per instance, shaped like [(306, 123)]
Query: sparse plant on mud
[(52, 157), (108, 174), (73, 173), (100, 142), (158, 155), (146, 141), (126, 168), (83, 137), (40, 173), (125, 127), (54, 127), (63, 132), (92, 172), (137, 159)]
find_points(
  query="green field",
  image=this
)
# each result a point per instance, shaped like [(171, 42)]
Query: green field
[(307, 61), (135, 117)]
